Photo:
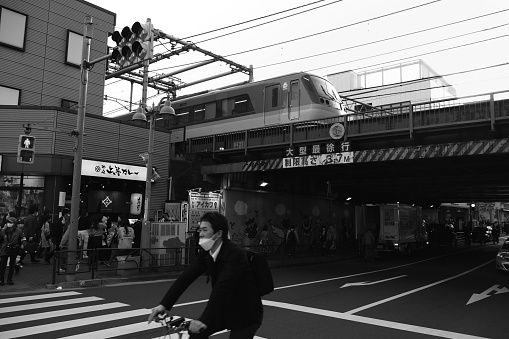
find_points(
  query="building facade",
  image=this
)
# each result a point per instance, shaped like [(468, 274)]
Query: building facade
[(40, 52)]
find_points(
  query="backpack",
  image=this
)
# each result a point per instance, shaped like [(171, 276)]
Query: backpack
[(261, 272), (291, 237)]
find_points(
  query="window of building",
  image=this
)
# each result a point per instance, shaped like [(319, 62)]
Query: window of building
[(69, 106), (74, 48), (13, 28), (9, 96)]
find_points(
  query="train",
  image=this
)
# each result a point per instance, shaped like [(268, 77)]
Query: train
[(296, 97)]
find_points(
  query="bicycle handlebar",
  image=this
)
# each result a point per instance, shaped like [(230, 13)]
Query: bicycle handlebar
[(174, 324)]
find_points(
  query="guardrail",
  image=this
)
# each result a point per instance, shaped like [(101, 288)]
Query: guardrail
[(398, 118)]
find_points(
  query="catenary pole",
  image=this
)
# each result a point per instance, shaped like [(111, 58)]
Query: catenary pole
[(78, 152)]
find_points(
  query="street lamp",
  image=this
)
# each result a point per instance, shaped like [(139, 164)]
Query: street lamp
[(140, 117)]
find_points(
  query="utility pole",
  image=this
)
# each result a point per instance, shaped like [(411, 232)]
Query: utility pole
[(78, 152)]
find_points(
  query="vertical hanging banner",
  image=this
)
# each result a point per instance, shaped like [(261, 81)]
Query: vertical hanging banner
[(199, 204)]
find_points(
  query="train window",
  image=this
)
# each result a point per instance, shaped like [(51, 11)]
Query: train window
[(199, 113), (183, 116), (275, 96), (227, 106), (210, 110), (242, 104)]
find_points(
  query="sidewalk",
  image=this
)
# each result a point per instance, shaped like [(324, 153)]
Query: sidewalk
[(38, 276)]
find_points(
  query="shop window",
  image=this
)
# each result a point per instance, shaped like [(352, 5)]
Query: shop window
[(73, 49), (13, 28), (9, 96), (32, 193)]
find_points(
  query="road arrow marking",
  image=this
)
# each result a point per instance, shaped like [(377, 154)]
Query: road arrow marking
[(495, 289), (366, 283)]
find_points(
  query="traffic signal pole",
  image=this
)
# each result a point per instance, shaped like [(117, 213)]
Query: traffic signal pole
[(78, 151)]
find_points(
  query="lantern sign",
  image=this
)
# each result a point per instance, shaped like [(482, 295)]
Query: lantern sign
[(136, 203)]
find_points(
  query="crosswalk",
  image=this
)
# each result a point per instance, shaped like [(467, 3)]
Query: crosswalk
[(73, 315)]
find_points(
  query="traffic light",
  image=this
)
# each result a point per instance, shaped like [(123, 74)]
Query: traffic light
[(134, 44), (26, 149)]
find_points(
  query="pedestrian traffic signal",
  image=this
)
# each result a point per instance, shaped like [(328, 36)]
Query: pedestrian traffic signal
[(26, 149), (134, 44)]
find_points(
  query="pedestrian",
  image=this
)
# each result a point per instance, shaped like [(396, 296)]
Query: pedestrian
[(323, 240), (234, 301), (126, 237), (29, 230), (95, 240), (84, 225), (46, 237), (368, 242), (331, 240), (11, 242), (112, 239), (291, 241)]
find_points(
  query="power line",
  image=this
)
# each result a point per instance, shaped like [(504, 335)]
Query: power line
[(259, 18), (334, 29), (382, 40), (411, 57), (268, 22)]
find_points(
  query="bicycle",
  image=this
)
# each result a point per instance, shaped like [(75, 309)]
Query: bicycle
[(174, 325)]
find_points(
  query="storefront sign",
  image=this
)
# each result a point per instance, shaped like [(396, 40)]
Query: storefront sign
[(199, 204), (111, 170)]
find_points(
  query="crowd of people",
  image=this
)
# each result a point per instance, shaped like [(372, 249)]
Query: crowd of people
[(38, 236)]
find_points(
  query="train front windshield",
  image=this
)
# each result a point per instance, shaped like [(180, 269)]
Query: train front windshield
[(324, 88)]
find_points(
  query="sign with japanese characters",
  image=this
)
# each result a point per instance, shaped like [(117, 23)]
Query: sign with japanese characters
[(319, 160), (112, 170), (199, 204), (318, 155)]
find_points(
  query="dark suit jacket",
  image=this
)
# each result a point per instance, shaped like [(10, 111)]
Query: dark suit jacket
[(234, 301)]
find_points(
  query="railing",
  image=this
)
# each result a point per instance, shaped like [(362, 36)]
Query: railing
[(403, 118), (90, 263)]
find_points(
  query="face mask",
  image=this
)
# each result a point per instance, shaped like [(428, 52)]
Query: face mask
[(207, 243)]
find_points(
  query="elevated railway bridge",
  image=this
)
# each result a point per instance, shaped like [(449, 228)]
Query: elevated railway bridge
[(451, 150)]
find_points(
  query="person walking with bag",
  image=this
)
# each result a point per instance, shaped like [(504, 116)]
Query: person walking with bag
[(234, 301), (125, 236), (11, 242)]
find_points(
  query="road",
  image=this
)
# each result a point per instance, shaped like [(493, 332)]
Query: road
[(436, 294)]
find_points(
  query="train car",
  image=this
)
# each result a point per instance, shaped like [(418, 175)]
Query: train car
[(290, 98)]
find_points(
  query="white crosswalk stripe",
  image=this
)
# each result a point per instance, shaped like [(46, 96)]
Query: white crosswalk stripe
[(41, 314)]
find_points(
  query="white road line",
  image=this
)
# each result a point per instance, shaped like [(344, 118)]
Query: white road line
[(372, 321), (38, 297), (48, 304), (354, 275), (118, 331), (60, 313), (71, 323), (365, 307)]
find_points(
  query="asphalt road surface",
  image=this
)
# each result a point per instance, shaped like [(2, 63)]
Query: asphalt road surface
[(437, 294)]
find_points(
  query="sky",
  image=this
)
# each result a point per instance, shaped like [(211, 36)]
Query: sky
[(467, 41)]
